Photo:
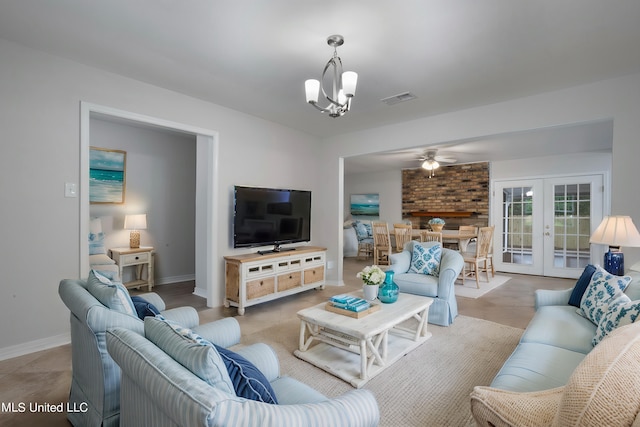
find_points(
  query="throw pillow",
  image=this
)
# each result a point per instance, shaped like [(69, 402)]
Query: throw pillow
[(604, 290), (144, 308), (110, 293), (621, 314), (96, 244), (426, 260), (581, 285), (247, 380), (190, 351)]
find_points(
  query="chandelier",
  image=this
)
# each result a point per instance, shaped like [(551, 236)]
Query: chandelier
[(343, 84)]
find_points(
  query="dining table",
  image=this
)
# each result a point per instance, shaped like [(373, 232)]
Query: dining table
[(461, 239)]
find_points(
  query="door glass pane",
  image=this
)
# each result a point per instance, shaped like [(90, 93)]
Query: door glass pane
[(517, 208), (572, 225)]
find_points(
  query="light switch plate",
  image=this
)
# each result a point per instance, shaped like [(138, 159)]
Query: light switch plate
[(70, 189)]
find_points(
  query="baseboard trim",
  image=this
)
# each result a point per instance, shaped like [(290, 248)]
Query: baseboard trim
[(200, 292), (175, 279), (34, 346)]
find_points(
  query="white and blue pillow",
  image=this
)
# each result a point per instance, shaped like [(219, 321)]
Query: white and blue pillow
[(426, 260), (110, 293), (208, 361), (623, 313), (604, 290)]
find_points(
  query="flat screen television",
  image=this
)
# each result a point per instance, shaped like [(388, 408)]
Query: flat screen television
[(270, 216)]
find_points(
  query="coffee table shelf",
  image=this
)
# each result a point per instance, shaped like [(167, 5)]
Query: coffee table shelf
[(357, 350)]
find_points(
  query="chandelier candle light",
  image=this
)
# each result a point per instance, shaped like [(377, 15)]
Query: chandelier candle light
[(616, 231), (135, 223), (343, 84)]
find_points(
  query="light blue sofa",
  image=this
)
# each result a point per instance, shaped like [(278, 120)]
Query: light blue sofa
[(442, 289), (158, 391), (555, 341)]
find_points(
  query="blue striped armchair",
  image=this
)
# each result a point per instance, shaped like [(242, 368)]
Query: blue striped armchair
[(95, 376), (159, 391)]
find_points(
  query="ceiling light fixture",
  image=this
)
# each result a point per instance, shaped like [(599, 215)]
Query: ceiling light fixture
[(343, 84), (431, 165)]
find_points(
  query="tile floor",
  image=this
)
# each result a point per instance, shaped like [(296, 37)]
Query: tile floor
[(45, 376)]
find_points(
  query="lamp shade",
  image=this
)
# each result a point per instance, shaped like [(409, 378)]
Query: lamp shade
[(349, 82), (135, 222), (616, 231), (312, 90)]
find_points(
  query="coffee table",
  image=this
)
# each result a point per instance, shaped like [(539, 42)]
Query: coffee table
[(357, 350)]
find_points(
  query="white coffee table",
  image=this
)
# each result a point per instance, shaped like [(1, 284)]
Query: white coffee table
[(357, 350)]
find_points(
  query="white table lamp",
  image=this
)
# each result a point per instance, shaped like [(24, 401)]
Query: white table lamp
[(135, 223), (616, 231)]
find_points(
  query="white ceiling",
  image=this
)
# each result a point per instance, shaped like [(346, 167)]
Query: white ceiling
[(253, 56)]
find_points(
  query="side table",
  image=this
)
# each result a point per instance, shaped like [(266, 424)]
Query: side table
[(138, 258)]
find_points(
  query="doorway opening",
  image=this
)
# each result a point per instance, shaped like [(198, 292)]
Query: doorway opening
[(206, 192)]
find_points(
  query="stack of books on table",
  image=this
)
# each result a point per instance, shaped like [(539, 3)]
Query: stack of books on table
[(348, 302)]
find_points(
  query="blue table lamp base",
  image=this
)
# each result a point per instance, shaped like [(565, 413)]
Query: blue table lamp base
[(614, 262)]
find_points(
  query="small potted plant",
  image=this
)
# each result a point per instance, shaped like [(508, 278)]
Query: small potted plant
[(372, 277), (436, 224)]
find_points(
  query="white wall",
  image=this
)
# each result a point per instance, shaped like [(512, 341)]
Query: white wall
[(616, 99), (161, 182), (40, 151), (387, 184)]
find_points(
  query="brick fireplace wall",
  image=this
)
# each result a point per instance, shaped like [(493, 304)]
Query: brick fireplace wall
[(459, 194)]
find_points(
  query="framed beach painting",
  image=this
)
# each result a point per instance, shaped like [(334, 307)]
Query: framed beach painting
[(365, 205), (107, 175)]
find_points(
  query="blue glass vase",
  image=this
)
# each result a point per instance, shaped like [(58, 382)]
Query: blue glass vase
[(389, 291)]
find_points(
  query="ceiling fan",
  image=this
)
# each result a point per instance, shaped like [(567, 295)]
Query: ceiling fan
[(431, 161)]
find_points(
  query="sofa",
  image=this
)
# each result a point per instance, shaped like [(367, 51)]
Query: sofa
[(558, 338), (95, 382), (171, 377), (440, 287)]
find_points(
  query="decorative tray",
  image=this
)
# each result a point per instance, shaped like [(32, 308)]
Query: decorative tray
[(355, 314)]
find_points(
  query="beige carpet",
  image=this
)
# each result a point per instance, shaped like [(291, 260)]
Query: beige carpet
[(470, 289), (428, 387)]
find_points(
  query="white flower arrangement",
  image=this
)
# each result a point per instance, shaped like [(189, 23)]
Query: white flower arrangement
[(372, 275), (436, 221)]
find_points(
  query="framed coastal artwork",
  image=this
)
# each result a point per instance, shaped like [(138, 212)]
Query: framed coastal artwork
[(365, 205), (107, 175)]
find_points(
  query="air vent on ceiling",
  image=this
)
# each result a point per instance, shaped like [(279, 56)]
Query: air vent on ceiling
[(401, 97)]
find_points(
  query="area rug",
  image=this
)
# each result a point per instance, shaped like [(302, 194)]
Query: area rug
[(430, 386), (470, 290)]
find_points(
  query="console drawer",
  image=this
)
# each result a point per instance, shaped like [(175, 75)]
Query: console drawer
[(261, 287), (289, 281), (137, 258), (314, 275)]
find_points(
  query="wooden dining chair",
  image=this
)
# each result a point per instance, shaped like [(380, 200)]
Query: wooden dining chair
[(381, 243), (430, 236), (403, 235), (464, 245), (478, 259)]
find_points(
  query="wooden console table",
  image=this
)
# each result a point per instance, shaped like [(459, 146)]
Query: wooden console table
[(253, 278)]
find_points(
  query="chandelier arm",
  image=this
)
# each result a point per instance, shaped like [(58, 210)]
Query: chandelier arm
[(335, 79)]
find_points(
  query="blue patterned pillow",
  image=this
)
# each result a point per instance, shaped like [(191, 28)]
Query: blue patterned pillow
[(426, 260), (623, 313), (96, 244), (603, 291)]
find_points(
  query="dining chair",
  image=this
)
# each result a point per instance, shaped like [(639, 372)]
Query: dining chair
[(365, 239), (403, 235), (479, 258), (381, 243), (463, 245), (430, 236)]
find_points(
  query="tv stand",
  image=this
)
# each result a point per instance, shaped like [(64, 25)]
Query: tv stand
[(255, 278), (276, 250)]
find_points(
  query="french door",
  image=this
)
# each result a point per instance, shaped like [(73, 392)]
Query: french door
[(543, 225)]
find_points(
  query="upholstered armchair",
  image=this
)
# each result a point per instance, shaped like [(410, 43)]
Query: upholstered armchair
[(95, 377), (604, 389), (440, 287)]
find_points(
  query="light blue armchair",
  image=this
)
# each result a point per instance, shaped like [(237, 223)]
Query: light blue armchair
[(445, 307), (157, 390), (95, 378)]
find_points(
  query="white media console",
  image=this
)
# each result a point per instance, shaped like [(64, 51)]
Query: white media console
[(254, 278)]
